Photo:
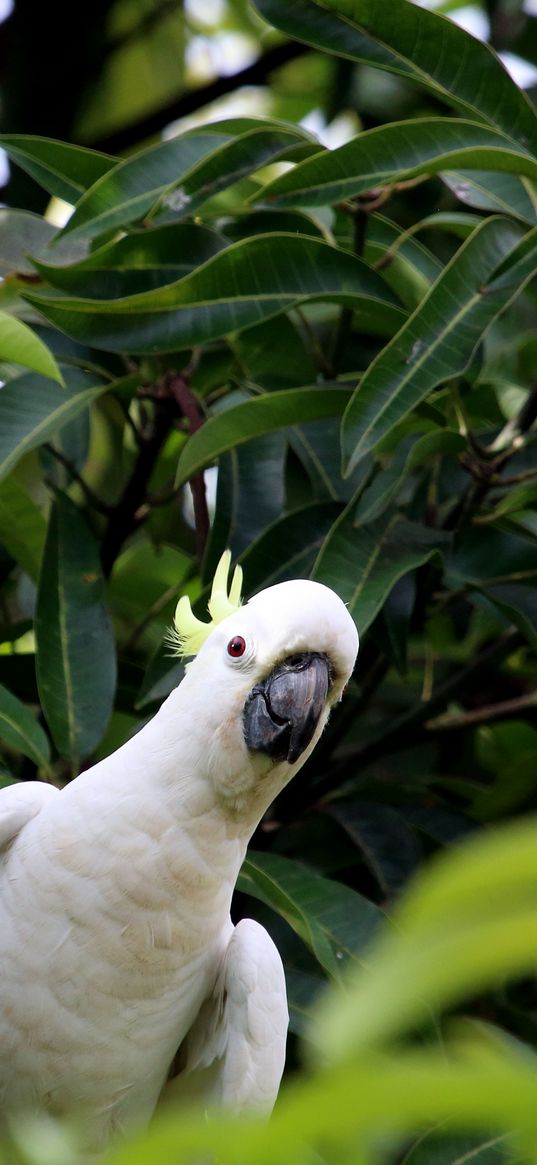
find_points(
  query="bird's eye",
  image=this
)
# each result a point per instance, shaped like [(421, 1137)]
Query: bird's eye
[(236, 647)]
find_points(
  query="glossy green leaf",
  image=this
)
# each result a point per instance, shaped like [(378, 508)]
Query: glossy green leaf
[(62, 169), (32, 408), (395, 153), (248, 282), (22, 526), (21, 731), (407, 266), (501, 193), (76, 663), (437, 342), (181, 173), (262, 414), (20, 345), (334, 921), (140, 261), (363, 563), (419, 45)]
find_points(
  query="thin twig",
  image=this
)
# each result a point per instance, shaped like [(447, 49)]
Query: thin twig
[(503, 710)]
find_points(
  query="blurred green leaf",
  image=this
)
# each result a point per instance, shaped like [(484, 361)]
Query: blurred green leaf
[(76, 666), (20, 345), (21, 731), (64, 170), (22, 526)]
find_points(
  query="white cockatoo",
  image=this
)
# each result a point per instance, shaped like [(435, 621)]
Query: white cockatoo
[(121, 972)]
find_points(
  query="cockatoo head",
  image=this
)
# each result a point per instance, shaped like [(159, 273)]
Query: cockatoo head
[(270, 672)]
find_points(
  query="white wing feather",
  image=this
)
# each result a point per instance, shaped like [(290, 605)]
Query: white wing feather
[(19, 804), (234, 1053)]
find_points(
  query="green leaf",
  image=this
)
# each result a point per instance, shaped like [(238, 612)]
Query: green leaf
[(182, 173), (262, 414), (464, 925), (76, 663), (21, 234), (501, 193), (287, 549), (407, 266), (20, 345), (416, 44), (22, 527), (363, 563), (334, 921), (394, 153), (32, 408), (63, 170), (437, 342), (140, 261), (248, 282), (21, 731), (411, 452), (518, 604)]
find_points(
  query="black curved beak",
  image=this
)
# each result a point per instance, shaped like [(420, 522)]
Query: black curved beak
[(282, 713)]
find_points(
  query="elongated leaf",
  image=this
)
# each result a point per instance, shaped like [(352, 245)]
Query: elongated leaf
[(362, 563), (140, 261), (396, 152), (288, 548), (334, 921), (248, 282), (76, 664), (184, 171), (20, 729), (501, 193), (438, 340), (20, 345), (64, 170), (32, 408), (410, 453), (388, 843), (22, 526), (417, 44), (407, 266), (262, 414), (463, 927), (21, 234)]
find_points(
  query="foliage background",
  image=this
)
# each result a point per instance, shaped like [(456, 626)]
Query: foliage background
[(351, 337)]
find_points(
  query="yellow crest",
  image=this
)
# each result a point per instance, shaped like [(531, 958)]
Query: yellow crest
[(190, 633)]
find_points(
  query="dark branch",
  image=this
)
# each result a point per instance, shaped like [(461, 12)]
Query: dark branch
[(154, 123)]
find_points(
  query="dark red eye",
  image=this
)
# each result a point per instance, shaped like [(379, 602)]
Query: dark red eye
[(236, 646)]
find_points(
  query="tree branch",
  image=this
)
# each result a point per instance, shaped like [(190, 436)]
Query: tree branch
[(503, 710), (187, 103)]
